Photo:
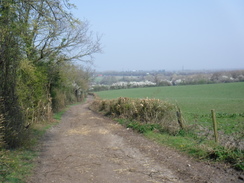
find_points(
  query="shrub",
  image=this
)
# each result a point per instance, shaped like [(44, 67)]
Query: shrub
[(146, 111), (32, 92)]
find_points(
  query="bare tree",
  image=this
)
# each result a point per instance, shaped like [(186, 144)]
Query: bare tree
[(53, 32)]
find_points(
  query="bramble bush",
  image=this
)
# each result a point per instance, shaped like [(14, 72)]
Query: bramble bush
[(145, 111)]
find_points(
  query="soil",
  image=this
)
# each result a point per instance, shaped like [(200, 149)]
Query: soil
[(87, 147)]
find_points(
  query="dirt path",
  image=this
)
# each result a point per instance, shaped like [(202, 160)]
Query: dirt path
[(86, 147)]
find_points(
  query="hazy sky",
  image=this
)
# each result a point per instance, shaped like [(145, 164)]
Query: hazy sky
[(166, 34)]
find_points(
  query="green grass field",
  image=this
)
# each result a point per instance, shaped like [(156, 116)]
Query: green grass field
[(224, 98), (196, 102)]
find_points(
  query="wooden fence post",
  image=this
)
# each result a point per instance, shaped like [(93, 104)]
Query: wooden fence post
[(180, 120), (215, 126)]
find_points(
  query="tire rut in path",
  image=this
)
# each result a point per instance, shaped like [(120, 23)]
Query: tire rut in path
[(86, 147)]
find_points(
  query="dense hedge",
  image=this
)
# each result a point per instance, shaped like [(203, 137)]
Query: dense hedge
[(145, 111)]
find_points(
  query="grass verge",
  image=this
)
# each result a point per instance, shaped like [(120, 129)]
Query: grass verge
[(17, 164), (189, 143), (58, 115)]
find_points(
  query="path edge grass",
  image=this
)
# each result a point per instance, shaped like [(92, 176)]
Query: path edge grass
[(188, 143), (17, 165)]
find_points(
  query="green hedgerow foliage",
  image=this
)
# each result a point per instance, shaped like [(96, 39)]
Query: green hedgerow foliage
[(33, 92), (1, 125), (146, 111)]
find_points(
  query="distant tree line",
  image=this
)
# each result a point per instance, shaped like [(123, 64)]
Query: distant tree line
[(39, 40), (118, 80)]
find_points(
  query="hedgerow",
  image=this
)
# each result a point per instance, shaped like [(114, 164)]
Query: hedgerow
[(144, 111)]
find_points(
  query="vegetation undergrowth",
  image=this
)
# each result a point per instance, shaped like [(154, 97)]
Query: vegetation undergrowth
[(184, 138)]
